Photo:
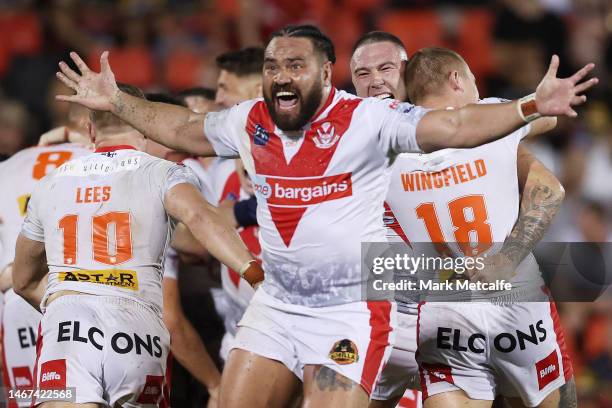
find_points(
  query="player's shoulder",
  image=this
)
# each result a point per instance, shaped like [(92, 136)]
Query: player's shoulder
[(493, 99)]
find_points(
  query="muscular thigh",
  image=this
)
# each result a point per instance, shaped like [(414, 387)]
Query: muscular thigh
[(325, 387), (252, 380)]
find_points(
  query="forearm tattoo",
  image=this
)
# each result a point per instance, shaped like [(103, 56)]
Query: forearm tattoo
[(539, 206), (567, 395)]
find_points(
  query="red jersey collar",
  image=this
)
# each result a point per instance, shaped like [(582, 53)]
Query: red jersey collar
[(106, 149)]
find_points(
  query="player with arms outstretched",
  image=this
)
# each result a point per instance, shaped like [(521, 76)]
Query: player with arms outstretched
[(317, 157)]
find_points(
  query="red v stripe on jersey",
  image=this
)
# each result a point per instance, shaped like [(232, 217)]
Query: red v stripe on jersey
[(310, 161)]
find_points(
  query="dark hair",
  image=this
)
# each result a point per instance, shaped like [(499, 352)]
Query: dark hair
[(164, 98), (428, 69), (106, 119), (320, 41), (206, 93), (377, 37), (247, 61)]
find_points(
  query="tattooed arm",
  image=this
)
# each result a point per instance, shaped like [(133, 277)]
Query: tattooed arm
[(542, 195), (541, 198)]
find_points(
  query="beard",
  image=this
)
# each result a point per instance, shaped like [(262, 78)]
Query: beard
[(307, 105)]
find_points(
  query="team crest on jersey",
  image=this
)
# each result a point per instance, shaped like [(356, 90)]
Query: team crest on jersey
[(326, 136), (344, 352), (260, 136)]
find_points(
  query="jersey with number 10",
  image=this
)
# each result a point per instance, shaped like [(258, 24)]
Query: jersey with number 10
[(104, 225)]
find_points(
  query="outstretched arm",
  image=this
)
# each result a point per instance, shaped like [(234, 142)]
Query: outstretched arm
[(174, 126), (477, 124), (185, 203)]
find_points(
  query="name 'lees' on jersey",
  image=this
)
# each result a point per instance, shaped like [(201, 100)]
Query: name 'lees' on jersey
[(320, 195), (104, 225)]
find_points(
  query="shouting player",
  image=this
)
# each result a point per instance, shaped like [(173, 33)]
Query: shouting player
[(317, 157), (378, 69), (101, 224), (470, 352), (19, 319)]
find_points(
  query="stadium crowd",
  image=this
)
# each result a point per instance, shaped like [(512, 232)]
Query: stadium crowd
[(166, 47)]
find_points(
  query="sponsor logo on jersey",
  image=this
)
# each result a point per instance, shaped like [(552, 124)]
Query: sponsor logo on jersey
[(152, 390), (23, 377), (260, 136), (119, 278), (53, 374), (452, 339), (548, 369), (326, 136), (438, 373), (22, 202), (120, 342), (344, 352), (98, 166), (300, 192)]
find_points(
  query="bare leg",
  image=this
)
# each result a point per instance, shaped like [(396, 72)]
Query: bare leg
[(551, 401), (455, 399), (390, 403), (250, 380), (324, 387)]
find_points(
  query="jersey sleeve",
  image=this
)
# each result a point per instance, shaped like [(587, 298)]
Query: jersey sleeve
[(171, 264), (223, 129), (32, 227), (398, 126), (178, 174)]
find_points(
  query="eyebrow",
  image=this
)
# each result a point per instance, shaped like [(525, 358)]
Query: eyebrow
[(270, 59)]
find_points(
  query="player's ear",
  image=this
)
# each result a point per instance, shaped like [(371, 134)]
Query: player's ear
[(327, 73), (454, 80)]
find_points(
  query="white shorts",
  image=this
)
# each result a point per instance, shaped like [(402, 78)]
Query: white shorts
[(515, 350), (402, 370), (110, 349), (19, 333), (352, 339)]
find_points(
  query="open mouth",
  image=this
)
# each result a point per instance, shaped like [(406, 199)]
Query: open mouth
[(286, 99), (385, 95)]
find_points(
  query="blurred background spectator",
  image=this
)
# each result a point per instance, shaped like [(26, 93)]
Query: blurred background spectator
[(171, 45)]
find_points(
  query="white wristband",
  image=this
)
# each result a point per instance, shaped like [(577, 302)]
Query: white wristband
[(527, 108)]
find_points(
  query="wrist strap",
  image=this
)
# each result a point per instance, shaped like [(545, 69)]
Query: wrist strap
[(528, 109), (252, 272)]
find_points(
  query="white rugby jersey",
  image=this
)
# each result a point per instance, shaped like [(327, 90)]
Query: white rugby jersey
[(104, 225), (465, 199), (18, 176), (320, 191)]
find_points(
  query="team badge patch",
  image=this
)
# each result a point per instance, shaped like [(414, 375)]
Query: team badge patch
[(260, 136), (344, 352), (119, 278), (326, 136)]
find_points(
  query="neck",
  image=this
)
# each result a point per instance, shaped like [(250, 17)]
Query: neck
[(129, 138), (440, 102), (325, 95)]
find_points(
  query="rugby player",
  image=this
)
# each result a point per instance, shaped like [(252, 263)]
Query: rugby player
[(319, 197), (100, 224), (489, 351), (378, 69), (19, 319)]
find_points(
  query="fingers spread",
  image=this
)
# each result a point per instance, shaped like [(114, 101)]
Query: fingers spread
[(69, 83), (67, 98), (104, 62), (582, 72), (585, 85), (554, 65), (79, 62), (69, 72), (578, 100)]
